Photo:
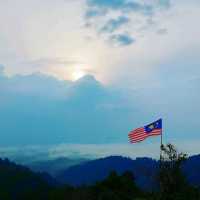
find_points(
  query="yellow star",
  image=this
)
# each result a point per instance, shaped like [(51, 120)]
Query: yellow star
[(151, 126)]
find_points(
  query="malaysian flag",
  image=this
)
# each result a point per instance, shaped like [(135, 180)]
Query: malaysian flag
[(139, 134)]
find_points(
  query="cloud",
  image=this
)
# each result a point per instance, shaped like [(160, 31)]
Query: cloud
[(149, 148), (51, 61), (144, 7), (162, 31), (154, 76), (38, 109), (114, 24), (90, 151), (93, 13), (61, 68), (164, 3), (124, 11), (114, 4), (1, 69), (122, 39)]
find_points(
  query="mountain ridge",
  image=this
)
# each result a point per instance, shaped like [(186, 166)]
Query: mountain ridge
[(144, 169)]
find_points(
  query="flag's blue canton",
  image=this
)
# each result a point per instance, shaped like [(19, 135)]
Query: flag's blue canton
[(155, 125)]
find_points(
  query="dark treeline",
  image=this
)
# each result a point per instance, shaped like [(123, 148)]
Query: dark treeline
[(20, 183)]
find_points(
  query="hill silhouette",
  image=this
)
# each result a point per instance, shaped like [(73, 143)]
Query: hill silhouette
[(54, 166), (144, 169), (18, 182), (113, 177)]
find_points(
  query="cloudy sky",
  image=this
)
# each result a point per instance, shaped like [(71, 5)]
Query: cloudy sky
[(88, 71)]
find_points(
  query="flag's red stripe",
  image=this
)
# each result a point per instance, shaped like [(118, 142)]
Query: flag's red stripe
[(135, 135), (142, 130), (132, 134), (144, 134), (138, 136), (141, 139), (135, 138), (136, 130), (138, 140)]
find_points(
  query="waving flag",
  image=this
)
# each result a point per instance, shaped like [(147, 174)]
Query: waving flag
[(139, 134)]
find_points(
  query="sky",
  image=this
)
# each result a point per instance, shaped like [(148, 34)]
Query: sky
[(88, 71)]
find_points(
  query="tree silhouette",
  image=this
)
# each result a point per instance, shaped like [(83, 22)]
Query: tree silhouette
[(117, 187), (173, 183)]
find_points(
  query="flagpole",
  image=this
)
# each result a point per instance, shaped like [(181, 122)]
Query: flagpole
[(161, 144)]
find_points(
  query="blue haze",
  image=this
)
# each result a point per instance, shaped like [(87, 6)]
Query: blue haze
[(38, 109)]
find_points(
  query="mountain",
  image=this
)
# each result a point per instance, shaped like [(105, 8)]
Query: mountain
[(144, 170), (18, 182), (191, 168), (92, 178), (54, 166)]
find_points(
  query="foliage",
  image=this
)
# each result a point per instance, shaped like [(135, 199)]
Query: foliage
[(118, 187), (173, 183)]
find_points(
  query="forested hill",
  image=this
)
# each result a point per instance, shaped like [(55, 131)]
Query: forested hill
[(144, 170), (19, 183)]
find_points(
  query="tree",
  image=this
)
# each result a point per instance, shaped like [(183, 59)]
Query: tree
[(117, 187), (173, 183)]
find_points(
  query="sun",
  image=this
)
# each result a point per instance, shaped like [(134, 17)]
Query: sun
[(77, 74)]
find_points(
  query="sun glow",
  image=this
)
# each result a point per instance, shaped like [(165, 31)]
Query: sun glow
[(77, 74)]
